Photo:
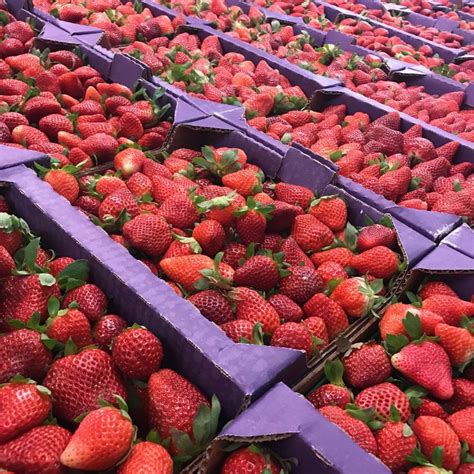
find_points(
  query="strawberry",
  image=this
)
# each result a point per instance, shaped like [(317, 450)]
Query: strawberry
[(238, 329), (311, 234), (77, 382), (39, 107), (376, 235), (293, 336), (101, 145), (301, 284), (251, 460), (101, 440), (107, 329), (432, 288), (286, 308), (260, 105), (149, 456), (27, 136), (340, 255), (73, 325), (210, 235), (354, 428), (450, 308), (259, 272), (395, 442), (129, 161), (7, 264), (179, 211), (90, 299), (293, 194), (382, 397), (63, 183), (71, 85), (355, 296), (331, 271), (358, 366), (417, 362), (174, 403), (457, 342), (148, 233), (251, 226), (246, 182), (254, 308), (137, 353), (331, 211), (333, 393), (130, 126), (380, 262), (115, 203), (329, 311), (462, 422), (433, 432), (37, 450), (448, 150), (54, 123), (23, 406), (212, 306), (463, 395), (294, 255), (13, 119), (138, 184)]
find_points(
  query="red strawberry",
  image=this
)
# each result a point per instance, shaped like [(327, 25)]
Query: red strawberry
[(462, 422), (7, 264), (331, 211), (148, 233), (254, 308), (101, 440), (433, 432), (376, 235), (463, 396), (129, 161), (432, 288), (37, 450), (130, 126), (430, 408), (310, 233), (395, 442), (39, 107), (210, 235), (117, 202), (149, 456), (251, 460), (90, 299), (380, 262), (63, 183), (358, 366), (286, 308), (107, 329), (238, 329), (331, 271), (418, 363), (260, 105), (340, 255), (54, 123), (27, 136), (258, 272), (101, 145), (72, 325), (137, 353), (294, 194), (355, 296), (301, 284), (212, 306), (457, 342), (77, 382), (294, 255), (293, 336), (451, 309)]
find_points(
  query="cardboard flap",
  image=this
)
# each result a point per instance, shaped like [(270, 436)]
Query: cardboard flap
[(11, 156), (462, 240), (125, 70), (341, 39)]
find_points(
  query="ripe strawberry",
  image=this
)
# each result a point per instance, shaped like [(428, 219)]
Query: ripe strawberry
[(260, 105), (254, 308), (311, 234), (382, 397), (27, 136), (212, 306), (23, 406), (340, 255), (137, 353), (380, 262), (432, 288), (251, 460), (174, 402), (179, 211), (355, 296), (301, 284), (149, 233), (354, 428), (101, 145), (432, 432), (331, 271), (457, 342), (238, 329), (293, 336), (259, 272), (107, 329), (417, 362), (358, 366), (129, 161), (246, 182), (331, 211), (294, 194), (286, 308), (294, 255), (63, 183), (54, 123), (462, 422), (139, 185), (102, 439), (251, 227), (7, 264), (39, 107), (72, 325), (116, 202), (130, 126), (451, 309), (37, 450), (77, 382), (147, 456), (107, 185), (329, 311), (333, 393), (210, 235), (90, 299), (395, 442)]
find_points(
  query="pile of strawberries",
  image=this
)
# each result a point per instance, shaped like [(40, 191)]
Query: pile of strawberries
[(53, 103), (64, 355), (417, 408), (259, 259)]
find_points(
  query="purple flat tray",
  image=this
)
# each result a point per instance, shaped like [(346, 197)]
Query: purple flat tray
[(290, 426), (193, 345), (10, 156), (462, 240)]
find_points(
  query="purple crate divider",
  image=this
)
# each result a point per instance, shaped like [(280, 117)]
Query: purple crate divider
[(445, 24), (125, 70), (10, 156), (433, 225), (197, 348), (448, 265), (420, 20), (288, 424), (14, 6), (461, 239)]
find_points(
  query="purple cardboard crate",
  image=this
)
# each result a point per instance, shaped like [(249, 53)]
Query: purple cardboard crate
[(285, 422), (10, 156), (462, 240), (197, 348)]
